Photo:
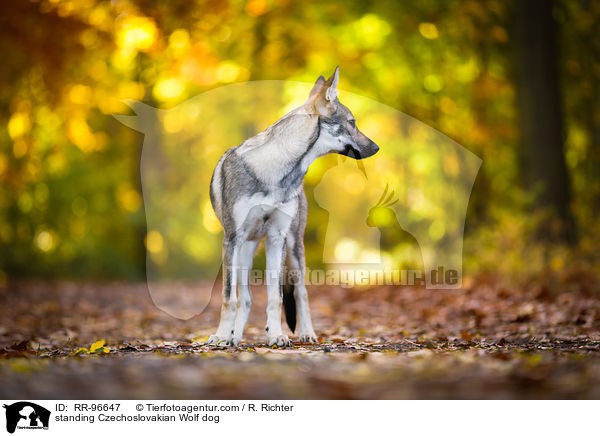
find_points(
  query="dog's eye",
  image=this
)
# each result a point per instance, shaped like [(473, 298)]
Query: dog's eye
[(352, 123)]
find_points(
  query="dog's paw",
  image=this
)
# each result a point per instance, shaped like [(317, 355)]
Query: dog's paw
[(308, 337), (280, 341), (217, 340), (235, 341)]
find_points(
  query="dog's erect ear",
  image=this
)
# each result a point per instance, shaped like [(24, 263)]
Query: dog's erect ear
[(318, 85), (332, 84), (325, 93)]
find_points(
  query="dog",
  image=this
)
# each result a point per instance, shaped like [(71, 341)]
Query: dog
[(257, 192)]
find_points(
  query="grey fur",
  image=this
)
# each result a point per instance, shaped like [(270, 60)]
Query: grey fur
[(261, 179)]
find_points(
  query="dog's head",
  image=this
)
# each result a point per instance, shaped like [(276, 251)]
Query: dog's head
[(339, 133)]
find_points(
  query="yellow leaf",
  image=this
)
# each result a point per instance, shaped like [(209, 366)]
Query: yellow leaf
[(96, 345), (81, 350)]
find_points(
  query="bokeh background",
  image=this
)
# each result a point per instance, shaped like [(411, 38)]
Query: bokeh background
[(516, 83)]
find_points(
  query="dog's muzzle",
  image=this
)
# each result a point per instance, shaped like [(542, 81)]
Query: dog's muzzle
[(360, 153)]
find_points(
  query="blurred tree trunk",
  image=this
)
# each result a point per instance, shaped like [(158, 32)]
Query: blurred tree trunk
[(540, 115)]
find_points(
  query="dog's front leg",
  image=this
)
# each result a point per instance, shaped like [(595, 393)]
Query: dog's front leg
[(229, 305), (245, 299), (274, 247)]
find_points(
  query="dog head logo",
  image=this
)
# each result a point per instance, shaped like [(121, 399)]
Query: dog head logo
[(26, 415), (427, 177)]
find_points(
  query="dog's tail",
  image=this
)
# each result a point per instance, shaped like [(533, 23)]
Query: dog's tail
[(289, 301)]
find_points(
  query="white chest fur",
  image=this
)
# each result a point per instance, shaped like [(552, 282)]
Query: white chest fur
[(259, 214)]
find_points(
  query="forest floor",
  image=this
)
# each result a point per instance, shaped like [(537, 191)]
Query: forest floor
[(492, 340)]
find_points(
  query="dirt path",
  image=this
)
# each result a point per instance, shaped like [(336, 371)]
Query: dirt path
[(490, 341)]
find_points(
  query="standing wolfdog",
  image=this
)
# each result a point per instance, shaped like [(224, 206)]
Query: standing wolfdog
[(256, 191)]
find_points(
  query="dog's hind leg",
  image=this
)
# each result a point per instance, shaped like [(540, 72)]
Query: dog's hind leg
[(274, 248), (295, 276), (296, 265), (246, 257), (229, 306)]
